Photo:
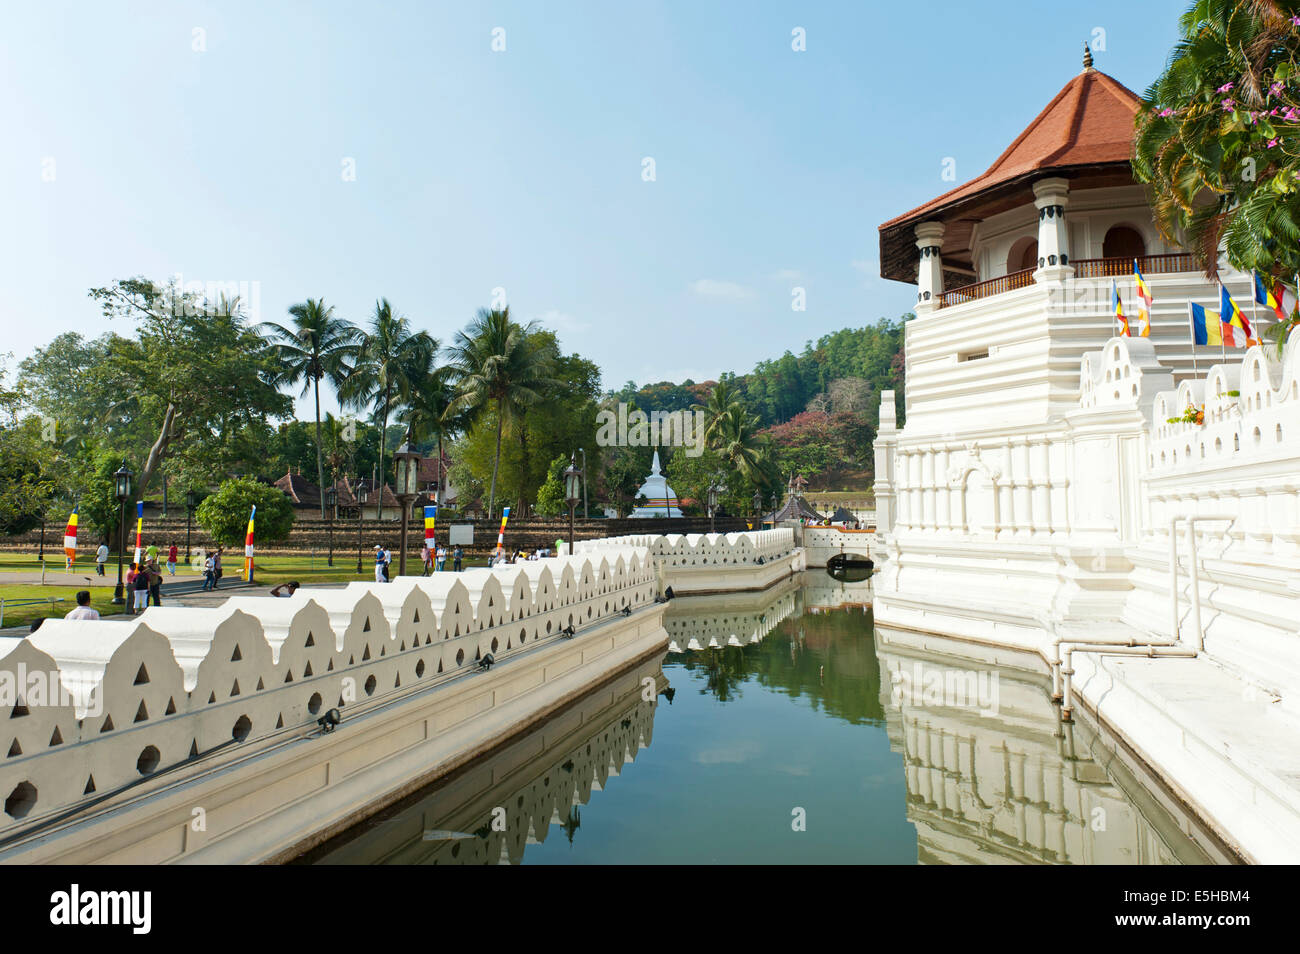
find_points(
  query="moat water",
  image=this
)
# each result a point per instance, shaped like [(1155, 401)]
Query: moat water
[(783, 728)]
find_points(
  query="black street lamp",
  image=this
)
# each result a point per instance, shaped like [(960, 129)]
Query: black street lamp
[(407, 460), (585, 514), (122, 491), (713, 505), (331, 504), (572, 493), (191, 502), (363, 494)]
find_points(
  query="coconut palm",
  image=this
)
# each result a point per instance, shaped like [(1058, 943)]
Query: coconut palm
[(737, 440), (720, 399), (315, 346), (382, 361), (432, 411), (500, 368)]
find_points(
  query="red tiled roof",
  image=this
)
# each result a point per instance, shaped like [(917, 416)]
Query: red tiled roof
[(1086, 129), (300, 490)]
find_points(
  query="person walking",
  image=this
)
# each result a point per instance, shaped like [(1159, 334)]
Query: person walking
[(441, 565), (457, 556), (172, 553), (388, 562), (426, 557), (216, 568), (84, 610), (101, 557), (140, 587), (379, 565), (151, 553), (155, 583), (210, 572)]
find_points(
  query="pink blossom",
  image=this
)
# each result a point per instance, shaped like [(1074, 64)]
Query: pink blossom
[(1228, 105), (1166, 112), (1225, 87), (1272, 143), (1276, 89)]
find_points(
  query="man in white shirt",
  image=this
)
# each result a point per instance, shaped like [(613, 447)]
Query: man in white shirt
[(84, 610), (101, 557)]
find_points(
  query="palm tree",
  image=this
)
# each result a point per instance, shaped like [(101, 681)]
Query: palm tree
[(316, 346), (382, 363), (737, 440), (432, 411), (499, 367), (720, 399)]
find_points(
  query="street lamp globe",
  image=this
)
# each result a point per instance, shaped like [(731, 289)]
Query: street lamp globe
[(408, 469), (331, 499), (191, 500), (572, 483), (363, 494), (122, 482)]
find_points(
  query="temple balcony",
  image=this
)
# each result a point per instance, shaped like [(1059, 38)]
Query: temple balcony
[(1121, 267)]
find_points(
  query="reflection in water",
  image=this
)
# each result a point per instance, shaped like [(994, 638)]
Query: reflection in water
[(510, 799), (790, 701)]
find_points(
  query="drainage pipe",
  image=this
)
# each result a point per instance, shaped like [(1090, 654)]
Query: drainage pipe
[(1150, 651)]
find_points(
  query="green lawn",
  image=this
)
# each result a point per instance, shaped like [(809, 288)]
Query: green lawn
[(101, 598)]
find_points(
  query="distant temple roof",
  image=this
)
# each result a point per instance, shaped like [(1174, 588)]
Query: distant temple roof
[(300, 491), (1084, 134), (796, 508)]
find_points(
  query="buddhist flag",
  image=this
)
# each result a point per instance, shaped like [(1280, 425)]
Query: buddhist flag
[(1144, 309), (1236, 329), (1206, 328), (430, 518), (501, 536), (1280, 298), (70, 538), (139, 531), (1117, 308), (248, 542)]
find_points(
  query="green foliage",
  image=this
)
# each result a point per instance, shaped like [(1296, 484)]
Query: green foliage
[(551, 501), (224, 514), (1218, 137)]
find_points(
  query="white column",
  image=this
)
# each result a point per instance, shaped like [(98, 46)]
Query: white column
[(1051, 196), (929, 271), (885, 450)]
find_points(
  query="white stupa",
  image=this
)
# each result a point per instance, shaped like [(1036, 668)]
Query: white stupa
[(656, 498)]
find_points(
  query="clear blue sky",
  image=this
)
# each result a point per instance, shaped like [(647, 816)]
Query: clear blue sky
[(519, 169)]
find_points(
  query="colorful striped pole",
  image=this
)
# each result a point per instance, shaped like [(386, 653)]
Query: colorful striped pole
[(70, 539), (248, 547), (501, 535), (139, 531)]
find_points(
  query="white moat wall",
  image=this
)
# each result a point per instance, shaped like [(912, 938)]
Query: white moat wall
[(200, 725), (713, 562), (1020, 533)]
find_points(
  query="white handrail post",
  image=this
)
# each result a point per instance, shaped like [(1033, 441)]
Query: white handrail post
[(1173, 578), (1196, 585)]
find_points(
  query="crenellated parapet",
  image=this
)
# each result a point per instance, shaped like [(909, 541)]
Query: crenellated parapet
[(713, 562), (93, 709)]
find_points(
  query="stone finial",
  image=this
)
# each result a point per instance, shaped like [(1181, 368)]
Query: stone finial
[(1087, 56)]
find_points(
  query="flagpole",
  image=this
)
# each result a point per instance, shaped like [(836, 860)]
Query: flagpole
[(1192, 330), (1255, 281), (1223, 349)]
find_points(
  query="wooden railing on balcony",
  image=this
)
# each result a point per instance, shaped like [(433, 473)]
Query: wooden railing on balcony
[(1122, 267), (992, 286), (1083, 268)]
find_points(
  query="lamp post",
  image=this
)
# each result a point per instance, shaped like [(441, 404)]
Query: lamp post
[(572, 475), (585, 514), (331, 504), (363, 495), (191, 501), (407, 460), (773, 511), (712, 504), (122, 491)]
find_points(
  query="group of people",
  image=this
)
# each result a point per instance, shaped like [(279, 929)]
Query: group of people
[(500, 556), (435, 558), (151, 554)]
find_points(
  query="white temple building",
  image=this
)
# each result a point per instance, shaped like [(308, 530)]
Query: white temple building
[(1039, 494), (656, 498)]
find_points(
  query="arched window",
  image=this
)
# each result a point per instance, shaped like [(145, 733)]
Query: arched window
[(1023, 254), (1123, 242)]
